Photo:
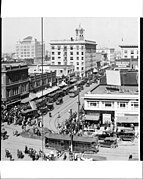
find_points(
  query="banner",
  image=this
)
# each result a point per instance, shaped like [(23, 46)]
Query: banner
[(113, 77)]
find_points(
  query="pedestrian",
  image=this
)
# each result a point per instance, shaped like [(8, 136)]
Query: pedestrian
[(50, 115), (59, 115), (65, 157), (130, 156)]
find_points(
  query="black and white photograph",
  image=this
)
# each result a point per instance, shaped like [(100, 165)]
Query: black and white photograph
[(70, 89)]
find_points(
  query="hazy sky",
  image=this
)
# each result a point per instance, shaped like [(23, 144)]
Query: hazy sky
[(105, 31)]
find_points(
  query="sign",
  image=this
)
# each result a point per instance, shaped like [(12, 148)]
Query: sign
[(106, 118), (113, 77), (123, 64)]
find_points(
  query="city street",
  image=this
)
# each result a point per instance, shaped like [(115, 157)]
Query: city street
[(63, 109), (13, 143)]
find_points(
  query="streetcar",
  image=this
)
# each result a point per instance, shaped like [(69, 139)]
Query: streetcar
[(79, 143), (73, 93)]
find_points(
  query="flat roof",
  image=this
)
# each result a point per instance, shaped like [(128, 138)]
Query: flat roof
[(128, 46), (54, 42), (124, 90)]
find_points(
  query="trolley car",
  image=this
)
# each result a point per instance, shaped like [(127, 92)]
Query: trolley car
[(79, 143)]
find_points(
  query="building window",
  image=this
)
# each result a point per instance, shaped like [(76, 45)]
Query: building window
[(82, 47), (94, 104), (59, 53), (53, 63), (53, 58), (65, 53), (8, 92), (108, 104), (132, 52), (59, 63), (77, 68), (53, 53), (132, 56), (77, 47), (82, 53), (125, 56), (61, 71), (71, 53), (65, 47), (71, 47), (77, 58), (59, 57), (122, 105), (82, 58), (125, 51), (82, 68), (71, 58), (77, 63), (59, 47), (71, 63), (77, 53), (134, 105), (53, 47)]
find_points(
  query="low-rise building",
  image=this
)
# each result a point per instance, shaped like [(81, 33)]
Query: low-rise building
[(14, 82), (129, 51), (114, 104), (39, 81), (61, 70)]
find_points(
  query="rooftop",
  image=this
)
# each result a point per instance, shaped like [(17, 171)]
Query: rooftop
[(124, 90), (128, 46), (72, 42)]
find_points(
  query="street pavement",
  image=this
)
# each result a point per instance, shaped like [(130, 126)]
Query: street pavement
[(13, 143)]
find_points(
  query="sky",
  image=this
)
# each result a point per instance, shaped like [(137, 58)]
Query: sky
[(106, 31)]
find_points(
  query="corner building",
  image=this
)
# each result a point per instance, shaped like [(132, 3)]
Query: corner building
[(14, 83), (77, 52)]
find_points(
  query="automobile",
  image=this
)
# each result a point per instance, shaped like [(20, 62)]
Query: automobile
[(127, 135), (59, 101), (87, 84), (104, 134), (89, 131), (110, 142)]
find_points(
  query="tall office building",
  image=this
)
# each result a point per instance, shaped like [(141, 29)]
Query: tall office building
[(29, 48), (78, 52)]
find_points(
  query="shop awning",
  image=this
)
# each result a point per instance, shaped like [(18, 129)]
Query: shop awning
[(127, 119), (62, 84), (47, 91), (93, 117), (31, 97)]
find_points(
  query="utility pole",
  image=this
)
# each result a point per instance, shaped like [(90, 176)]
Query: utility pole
[(78, 103), (42, 79), (71, 130)]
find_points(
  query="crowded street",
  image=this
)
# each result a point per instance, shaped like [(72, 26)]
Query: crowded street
[(14, 143)]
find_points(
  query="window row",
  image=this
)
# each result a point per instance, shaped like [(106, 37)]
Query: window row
[(65, 53), (65, 47), (111, 104)]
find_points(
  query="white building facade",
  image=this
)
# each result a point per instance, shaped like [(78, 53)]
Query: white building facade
[(110, 52), (29, 48), (129, 51), (120, 108), (79, 52)]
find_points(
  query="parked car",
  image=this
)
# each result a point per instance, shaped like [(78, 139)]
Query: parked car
[(110, 142)]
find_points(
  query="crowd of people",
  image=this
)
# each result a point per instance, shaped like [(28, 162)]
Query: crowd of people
[(15, 116)]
